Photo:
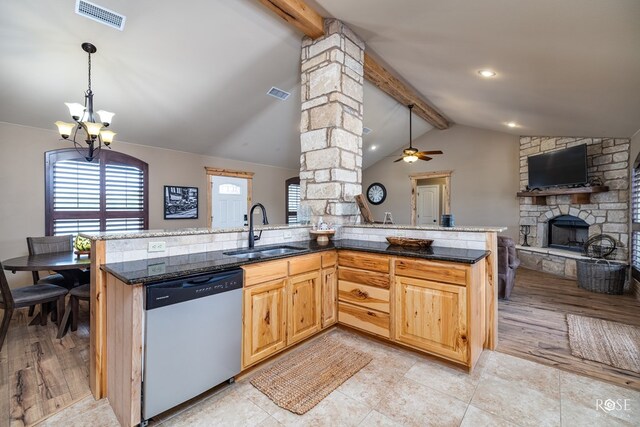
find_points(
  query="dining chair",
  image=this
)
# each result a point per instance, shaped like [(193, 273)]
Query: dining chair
[(46, 245), (27, 296), (71, 313)]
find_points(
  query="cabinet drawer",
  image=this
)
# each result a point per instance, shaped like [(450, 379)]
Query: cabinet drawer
[(371, 278), (329, 259), (264, 272), (368, 320), (304, 263), (436, 271), (364, 261), (363, 295)]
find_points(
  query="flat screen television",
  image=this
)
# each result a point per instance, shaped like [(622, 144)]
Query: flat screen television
[(559, 168)]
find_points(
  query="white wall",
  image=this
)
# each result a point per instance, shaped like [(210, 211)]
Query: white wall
[(484, 182), (22, 192)]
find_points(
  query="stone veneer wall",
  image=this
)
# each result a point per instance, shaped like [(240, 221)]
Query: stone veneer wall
[(608, 213), (331, 124)]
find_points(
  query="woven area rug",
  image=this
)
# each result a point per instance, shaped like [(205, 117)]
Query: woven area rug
[(612, 343), (299, 382)]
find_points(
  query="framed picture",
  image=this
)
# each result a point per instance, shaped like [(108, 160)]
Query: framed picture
[(180, 202)]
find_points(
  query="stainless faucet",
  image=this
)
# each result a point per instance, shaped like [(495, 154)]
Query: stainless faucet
[(265, 221)]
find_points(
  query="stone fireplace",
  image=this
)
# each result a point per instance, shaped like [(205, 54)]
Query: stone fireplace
[(567, 232), (558, 229)]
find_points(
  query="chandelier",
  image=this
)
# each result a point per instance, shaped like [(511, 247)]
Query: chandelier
[(84, 118)]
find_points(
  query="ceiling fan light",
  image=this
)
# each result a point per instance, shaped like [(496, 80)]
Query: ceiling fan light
[(65, 128), (105, 117), (410, 159), (93, 129), (107, 136), (75, 110)]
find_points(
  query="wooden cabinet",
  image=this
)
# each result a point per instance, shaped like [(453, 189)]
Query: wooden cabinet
[(329, 296), (439, 308), (303, 308), (283, 303), (432, 316), (363, 292), (329, 288), (264, 321)]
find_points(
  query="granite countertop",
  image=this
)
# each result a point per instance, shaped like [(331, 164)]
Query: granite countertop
[(159, 269)]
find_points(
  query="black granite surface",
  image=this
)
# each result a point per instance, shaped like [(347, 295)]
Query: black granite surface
[(159, 269)]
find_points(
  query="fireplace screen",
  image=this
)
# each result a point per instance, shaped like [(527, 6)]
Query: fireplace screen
[(568, 232)]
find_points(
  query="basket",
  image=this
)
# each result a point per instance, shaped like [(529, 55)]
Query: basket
[(601, 276)]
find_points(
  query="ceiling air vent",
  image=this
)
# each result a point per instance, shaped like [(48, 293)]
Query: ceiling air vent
[(366, 130), (100, 14), (278, 93)]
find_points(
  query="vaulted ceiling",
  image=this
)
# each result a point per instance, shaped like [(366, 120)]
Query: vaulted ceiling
[(194, 76)]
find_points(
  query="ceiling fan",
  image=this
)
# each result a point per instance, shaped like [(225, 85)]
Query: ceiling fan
[(411, 154)]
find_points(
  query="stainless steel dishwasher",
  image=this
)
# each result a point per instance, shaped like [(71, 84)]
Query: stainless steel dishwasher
[(193, 338)]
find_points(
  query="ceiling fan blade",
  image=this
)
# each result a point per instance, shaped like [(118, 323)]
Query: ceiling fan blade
[(431, 152), (398, 159), (423, 157)]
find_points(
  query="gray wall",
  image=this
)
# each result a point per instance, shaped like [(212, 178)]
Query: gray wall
[(22, 191), (484, 182)]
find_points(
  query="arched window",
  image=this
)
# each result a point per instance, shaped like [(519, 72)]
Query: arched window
[(292, 199), (108, 194)]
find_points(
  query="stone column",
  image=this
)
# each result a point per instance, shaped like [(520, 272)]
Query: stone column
[(331, 124)]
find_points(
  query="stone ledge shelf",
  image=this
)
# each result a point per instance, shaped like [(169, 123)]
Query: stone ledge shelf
[(561, 253), (143, 234), (580, 195)]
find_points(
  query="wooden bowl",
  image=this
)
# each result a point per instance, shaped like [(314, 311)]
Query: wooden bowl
[(409, 242), (322, 236)]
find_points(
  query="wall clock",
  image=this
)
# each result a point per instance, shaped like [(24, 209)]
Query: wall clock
[(376, 193)]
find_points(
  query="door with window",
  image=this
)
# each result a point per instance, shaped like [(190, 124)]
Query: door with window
[(229, 202)]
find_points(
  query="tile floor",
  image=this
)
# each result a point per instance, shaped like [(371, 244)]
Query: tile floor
[(403, 388)]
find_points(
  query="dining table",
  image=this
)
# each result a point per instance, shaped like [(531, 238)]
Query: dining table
[(68, 264)]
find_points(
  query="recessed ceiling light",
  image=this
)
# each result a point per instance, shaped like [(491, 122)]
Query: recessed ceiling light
[(512, 124), (366, 130), (373, 147), (487, 73)]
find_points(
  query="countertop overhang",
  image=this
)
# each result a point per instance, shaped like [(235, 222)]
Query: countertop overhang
[(153, 270)]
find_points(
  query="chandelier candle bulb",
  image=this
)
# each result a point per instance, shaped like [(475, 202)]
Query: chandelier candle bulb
[(93, 129), (65, 128), (75, 110), (107, 136), (105, 117)]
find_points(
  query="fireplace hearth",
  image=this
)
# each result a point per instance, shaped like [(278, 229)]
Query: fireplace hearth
[(568, 232)]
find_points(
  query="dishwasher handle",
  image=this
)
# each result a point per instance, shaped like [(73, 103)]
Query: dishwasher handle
[(188, 288)]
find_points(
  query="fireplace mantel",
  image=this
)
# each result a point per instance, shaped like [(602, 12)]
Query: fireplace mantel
[(580, 195)]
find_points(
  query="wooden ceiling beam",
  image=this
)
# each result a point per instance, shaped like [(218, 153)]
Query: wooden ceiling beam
[(298, 14), (311, 23), (395, 88)]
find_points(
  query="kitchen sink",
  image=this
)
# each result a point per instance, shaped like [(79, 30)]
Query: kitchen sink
[(264, 252)]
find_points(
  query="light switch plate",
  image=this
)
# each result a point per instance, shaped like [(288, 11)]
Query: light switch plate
[(157, 247)]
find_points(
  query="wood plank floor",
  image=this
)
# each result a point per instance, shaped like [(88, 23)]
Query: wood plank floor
[(40, 374), (532, 323)]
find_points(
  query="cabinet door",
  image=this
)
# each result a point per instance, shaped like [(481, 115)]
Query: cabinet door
[(304, 306), (264, 321), (432, 316), (329, 297)]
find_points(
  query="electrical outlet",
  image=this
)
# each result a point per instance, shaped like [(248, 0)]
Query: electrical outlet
[(157, 247), (287, 235)]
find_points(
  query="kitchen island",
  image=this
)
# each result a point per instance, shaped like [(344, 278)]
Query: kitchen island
[(361, 283)]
